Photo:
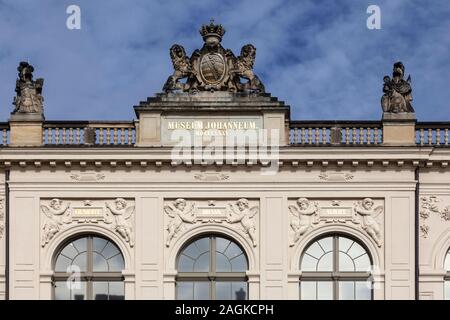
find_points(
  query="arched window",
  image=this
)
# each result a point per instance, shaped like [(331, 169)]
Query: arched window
[(447, 276), (335, 267), (212, 268), (89, 268)]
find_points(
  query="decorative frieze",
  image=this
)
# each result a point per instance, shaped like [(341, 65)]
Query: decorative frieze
[(241, 214), (58, 215), (306, 214)]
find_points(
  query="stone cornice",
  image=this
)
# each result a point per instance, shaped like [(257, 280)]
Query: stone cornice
[(288, 156)]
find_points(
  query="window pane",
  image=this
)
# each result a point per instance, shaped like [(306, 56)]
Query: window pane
[(345, 262), (315, 250), (362, 263), (98, 244), (202, 263), (201, 290), (65, 290), (116, 263), (324, 290), (326, 244), (223, 290), (363, 290), (185, 264), (356, 250), (447, 262), (185, 290), (100, 264), (326, 262), (231, 290), (202, 245), (103, 290), (116, 290), (222, 263), (344, 244), (81, 244), (239, 264), (100, 290), (447, 290), (308, 290), (62, 263), (309, 263), (110, 250), (222, 244), (192, 251), (239, 290), (70, 251), (81, 261), (233, 251), (346, 290)]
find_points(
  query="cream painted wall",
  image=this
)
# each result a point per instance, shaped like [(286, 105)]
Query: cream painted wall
[(150, 265)]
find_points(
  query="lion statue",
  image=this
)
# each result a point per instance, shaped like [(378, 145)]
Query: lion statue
[(182, 69), (243, 68)]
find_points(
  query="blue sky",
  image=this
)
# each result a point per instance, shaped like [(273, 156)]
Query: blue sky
[(317, 56)]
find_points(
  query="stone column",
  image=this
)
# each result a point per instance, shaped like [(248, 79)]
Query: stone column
[(399, 128), (26, 129)]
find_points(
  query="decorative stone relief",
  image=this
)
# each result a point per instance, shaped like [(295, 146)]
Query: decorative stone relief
[(122, 219), (336, 176), (180, 213), (428, 206), (241, 212), (303, 215), (212, 176), (183, 214), (87, 176), (2, 217), (306, 215), (58, 215), (369, 213)]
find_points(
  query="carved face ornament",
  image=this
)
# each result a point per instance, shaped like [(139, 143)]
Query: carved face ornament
[(303, 203), (367, 203), (242, 204), (55, 204), (180, 204), (121, 204)]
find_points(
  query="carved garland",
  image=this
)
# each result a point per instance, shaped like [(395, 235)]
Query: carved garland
[(305, 215), (428, 206), (59, 215), (182, 214)]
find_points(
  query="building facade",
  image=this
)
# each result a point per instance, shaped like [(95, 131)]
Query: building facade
[(214, 192)]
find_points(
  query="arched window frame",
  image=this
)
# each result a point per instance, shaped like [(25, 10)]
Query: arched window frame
[(212, 276), (89, 276), (447, 276), (335, 276)]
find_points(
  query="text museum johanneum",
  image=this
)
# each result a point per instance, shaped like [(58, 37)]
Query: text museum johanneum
[(214, 192)]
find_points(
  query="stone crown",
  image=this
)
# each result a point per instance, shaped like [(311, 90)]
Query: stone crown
[(212, 30)]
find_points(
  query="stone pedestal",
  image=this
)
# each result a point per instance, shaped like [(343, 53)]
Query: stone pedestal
[(26, 129), (399, 128), (160, 116)]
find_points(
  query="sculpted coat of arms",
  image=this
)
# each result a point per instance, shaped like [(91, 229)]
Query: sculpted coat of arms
[(213, 68)]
